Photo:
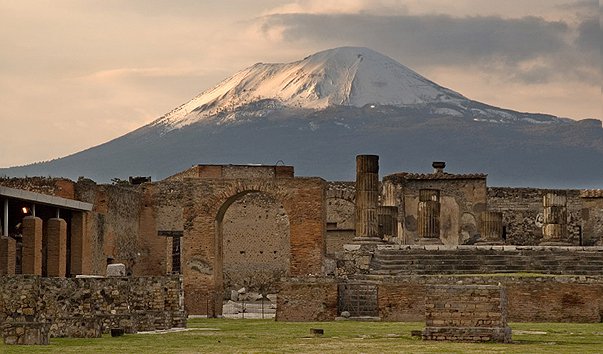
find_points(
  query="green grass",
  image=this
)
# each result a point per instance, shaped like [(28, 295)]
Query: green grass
[(266, 336)]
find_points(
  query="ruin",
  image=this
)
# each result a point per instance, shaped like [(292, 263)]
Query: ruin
[(321, 246)]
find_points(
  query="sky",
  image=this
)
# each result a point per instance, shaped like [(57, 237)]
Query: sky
[(78, 73)]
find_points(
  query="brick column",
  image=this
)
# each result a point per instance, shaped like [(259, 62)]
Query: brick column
[(8, 257), (32, 245), (56, 259), (81, 251)]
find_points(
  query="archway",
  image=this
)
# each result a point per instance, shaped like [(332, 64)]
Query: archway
[(253, 244)]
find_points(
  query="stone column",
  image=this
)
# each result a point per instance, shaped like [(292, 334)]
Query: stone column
[(554, 228), (32, 245), (81, 251), (491, 228), (8, 256), (428, 218), (367, 198), (56, 260), (388, 221)]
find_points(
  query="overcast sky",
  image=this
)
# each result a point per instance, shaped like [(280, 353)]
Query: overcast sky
[(77, 73)]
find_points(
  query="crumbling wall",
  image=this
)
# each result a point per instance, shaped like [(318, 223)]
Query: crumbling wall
[(81, 306), (340, 215), (461, 202), (112, 225), (522, 210), (59, 187), (592, 217)]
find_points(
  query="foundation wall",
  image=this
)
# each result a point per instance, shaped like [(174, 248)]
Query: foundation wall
[(530, 299)]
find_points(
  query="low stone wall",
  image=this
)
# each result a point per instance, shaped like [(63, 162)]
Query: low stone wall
[(474, 313), (402, 298), (87, 307)]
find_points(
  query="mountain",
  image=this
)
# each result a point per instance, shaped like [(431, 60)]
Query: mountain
[(319, 112)]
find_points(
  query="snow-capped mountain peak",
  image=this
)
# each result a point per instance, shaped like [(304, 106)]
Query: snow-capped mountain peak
[(347, 76)]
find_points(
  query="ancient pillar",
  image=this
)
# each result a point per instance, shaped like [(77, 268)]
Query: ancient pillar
[(367, 197), (32, 246), (56, 259), (428, 218), (81, 253), (8, 255), (554, 228), (491, 228), (387, 217)]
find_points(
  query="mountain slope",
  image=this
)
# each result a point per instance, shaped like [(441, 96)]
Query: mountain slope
[(319, 112)]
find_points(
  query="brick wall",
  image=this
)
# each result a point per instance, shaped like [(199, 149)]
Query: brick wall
[(402, 298), (69, 304), (256, 243), (309, 299), (466, 313)]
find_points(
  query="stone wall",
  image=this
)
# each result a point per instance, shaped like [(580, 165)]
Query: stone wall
[(402, 298), (59, 187), (112, 225), (83, 307), (522, 210)]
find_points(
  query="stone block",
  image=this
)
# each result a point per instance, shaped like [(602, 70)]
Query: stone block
[(116, 270)]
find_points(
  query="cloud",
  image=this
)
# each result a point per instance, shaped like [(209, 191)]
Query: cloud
[(487, 42), (341, 7)]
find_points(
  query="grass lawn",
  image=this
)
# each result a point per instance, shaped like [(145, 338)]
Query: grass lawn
[(267, 336)]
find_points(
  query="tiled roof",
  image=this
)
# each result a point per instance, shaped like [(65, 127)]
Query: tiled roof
[(591, 193)]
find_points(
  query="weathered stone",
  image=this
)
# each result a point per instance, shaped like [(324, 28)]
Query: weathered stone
[(116, 270)]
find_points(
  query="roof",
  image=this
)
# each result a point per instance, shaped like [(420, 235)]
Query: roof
[(434, 176), (45, 199)]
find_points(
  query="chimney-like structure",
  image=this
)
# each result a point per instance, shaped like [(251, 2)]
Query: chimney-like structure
[(367, 197), (438, 166)]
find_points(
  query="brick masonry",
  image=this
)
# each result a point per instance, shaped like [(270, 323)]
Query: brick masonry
[(475, 313), (307, 299), (402, 298)]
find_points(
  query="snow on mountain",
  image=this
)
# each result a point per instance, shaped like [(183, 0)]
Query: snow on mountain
[(346, 76)]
